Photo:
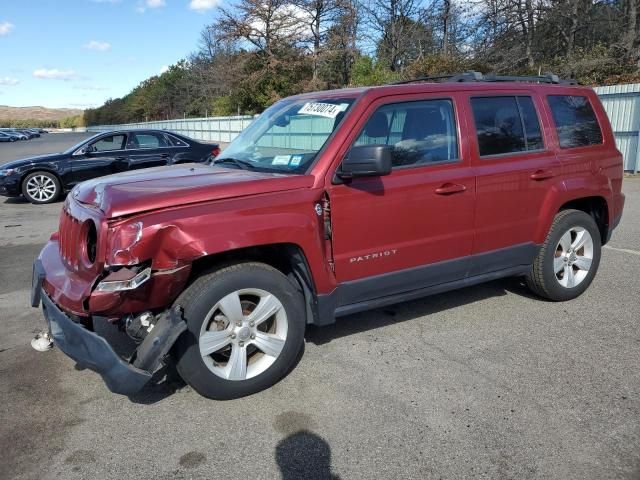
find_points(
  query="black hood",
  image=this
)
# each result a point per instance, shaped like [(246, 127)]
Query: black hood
[(33, 160)]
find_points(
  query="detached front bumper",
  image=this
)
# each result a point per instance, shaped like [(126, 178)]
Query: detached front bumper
[(94, 352)]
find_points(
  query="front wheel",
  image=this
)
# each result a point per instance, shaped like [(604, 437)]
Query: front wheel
[(245, 328), (41, 187), (569, 258)]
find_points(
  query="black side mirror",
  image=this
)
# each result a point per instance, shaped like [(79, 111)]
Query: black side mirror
[(89, 149), (366, 161)]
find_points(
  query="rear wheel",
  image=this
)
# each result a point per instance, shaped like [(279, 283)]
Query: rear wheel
[(41, 187), (568, 259), (245, 328)]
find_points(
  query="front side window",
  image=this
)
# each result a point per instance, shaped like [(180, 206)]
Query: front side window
[(506, 125), (112, 142), (420, 133), (575, 120), (287, 136)]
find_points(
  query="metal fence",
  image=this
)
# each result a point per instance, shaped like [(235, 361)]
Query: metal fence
[(622, 103), (215, 129)]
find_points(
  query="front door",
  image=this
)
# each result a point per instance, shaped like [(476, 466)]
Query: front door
[(413, 228), (104, 156)]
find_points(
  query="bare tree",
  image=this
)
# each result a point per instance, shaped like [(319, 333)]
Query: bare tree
[(395, 24), (317, 16), (266, 25), (340, 45)]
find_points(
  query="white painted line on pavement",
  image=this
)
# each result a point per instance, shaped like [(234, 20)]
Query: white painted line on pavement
[(624, 250)]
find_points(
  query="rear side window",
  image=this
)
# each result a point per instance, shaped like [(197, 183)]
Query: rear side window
[(420, 133), (146, 140), (506, 125), (575, 120), (174, 141)]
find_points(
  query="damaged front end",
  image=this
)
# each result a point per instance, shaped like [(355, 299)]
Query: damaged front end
[(94, 269), (94, 352)]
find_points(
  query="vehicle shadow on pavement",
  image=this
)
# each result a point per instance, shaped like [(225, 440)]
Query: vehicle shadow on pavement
[(24, 201), (381, 317), (304, 455), (15, 201)]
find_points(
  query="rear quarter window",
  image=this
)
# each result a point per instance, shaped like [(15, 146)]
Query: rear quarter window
[(575, 120)]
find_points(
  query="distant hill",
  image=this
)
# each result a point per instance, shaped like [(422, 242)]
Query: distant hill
[(37, 113)]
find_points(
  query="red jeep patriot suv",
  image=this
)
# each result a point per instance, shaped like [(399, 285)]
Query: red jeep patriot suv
[(331, 203)]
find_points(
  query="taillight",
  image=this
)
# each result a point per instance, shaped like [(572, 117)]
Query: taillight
[(216, 151)]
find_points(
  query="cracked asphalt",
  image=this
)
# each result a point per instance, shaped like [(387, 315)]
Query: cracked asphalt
[(485, 382)]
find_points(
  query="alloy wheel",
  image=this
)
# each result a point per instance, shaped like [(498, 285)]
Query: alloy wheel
[(573, 257), (243, 334), (41, 188)]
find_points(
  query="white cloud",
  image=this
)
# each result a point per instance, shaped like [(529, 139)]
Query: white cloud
[(143, 5), (9, 81), (96, 45), (202, 5), (6, 28), (164, 69), (55, 74)]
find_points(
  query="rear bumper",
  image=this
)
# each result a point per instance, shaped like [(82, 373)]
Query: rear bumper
[(94, 352)]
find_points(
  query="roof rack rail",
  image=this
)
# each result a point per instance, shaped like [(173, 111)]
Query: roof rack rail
[(472, 76)]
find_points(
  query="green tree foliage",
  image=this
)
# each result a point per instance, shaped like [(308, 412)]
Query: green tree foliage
[(258, 51), (69, 122)]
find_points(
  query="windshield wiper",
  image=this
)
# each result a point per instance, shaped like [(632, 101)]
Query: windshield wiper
[(243, 164)]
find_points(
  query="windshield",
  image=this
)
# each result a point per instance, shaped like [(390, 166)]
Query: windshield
[(78, 145), (287, 136)]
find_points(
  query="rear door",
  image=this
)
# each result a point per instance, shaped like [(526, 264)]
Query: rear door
[(148, 149), (515, 167), (412, 228), (108, 156)]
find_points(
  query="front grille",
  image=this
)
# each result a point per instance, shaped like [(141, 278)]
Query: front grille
[(70, 240)]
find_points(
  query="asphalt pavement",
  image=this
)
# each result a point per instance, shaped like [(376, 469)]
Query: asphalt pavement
[(486, 382)]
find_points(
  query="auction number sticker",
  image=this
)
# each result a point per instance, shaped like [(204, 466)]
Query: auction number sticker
[(329, 110)]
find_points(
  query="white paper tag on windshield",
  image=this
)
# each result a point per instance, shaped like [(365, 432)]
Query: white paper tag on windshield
[(328, 110), (281, 160)]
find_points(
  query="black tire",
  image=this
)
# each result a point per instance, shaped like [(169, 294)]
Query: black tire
[(203, 294), (57, 190), (542, 279)]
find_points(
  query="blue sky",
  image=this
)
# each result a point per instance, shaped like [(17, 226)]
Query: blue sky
[(78, 53)]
